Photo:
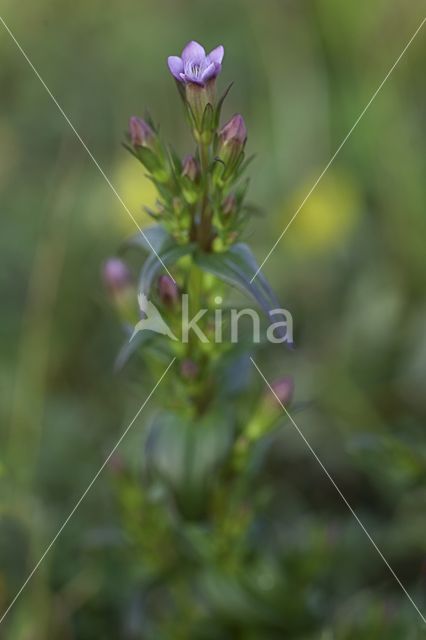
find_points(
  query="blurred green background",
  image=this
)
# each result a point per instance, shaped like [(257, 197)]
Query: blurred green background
[(351, 270)]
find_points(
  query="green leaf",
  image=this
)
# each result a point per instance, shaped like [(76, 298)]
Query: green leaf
[(244, 165), (149, 159), (129, 348), (160, 244), (186, 455), (220, 105), (152, 238), (175, 161), (169, 253), (181, 91), (207, 124), (236, 267)]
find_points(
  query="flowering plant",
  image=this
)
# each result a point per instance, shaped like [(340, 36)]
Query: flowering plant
[(198, 495)]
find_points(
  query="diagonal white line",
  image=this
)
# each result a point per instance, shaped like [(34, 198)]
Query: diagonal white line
[(92, 157), (340, 493), (84, 494), (345, 139)]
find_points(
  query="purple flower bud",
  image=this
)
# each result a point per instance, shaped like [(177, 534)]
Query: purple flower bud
[(116, 275), (141, 134), (168, 291), (283, 389), (189, 369), (234, 131), (229, 205), (194, 66), (190, 168), (232, 139)]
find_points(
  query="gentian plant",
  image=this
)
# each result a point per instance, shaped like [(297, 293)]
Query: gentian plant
[(197, 502)]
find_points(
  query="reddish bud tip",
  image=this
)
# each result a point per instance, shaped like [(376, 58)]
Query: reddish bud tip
[(190, 168), (168, 290), (141, 134), (189, 369), (229, 205), (283, 389), (234, 131)]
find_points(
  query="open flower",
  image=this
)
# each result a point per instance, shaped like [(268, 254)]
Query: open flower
[(195, 66)]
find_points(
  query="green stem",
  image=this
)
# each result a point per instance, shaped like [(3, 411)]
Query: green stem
[(195, 291), (204, 236)]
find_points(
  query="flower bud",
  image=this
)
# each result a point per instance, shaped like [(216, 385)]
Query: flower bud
[(119, 284), (229, 205), (190, 168), (141, 134), (234, 132), (269, 410), (189, 369), (282, 389), (148, 148), (168, 291), (116, 275), (232, 140), (190, 180)]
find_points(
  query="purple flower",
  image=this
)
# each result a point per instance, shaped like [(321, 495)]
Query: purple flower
[(195, 66), (140, 132)]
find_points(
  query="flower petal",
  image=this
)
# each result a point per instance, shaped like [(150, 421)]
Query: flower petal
[(216, 55), (193, 52), (209, 72), (175, 65)]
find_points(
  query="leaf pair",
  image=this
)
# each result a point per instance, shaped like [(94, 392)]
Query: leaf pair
[(235, 266), (185, 454)]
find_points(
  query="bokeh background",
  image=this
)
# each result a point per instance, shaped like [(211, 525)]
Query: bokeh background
[(351, 269)]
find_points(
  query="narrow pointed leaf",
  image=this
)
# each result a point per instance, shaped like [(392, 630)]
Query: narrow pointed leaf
[(169, 254), (236, 267), (152, 238)]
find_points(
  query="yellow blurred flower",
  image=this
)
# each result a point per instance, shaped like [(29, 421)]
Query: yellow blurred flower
[(137, 192), (327, 217)]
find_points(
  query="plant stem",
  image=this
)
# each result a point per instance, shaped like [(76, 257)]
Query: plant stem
[(196, 291), (204, 235), (195, 286)]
